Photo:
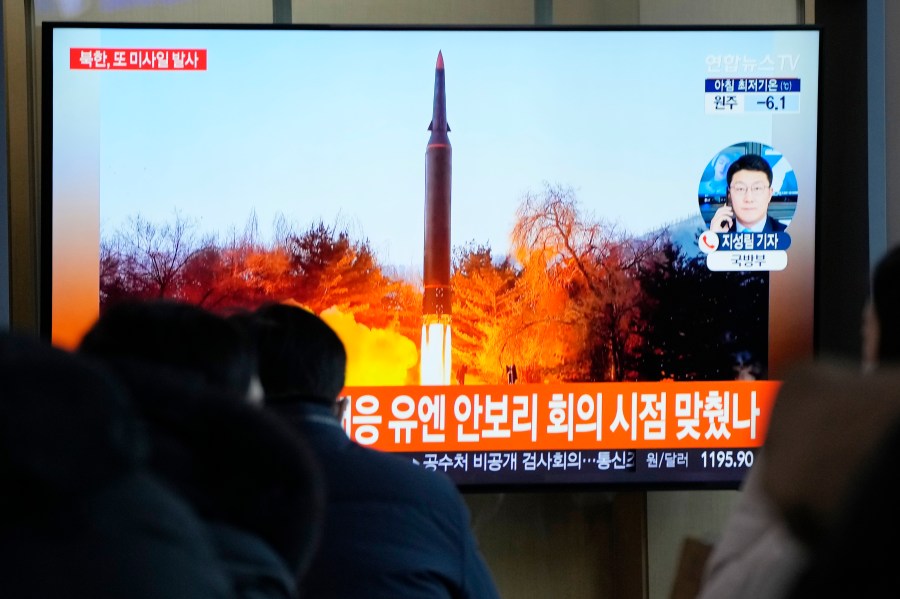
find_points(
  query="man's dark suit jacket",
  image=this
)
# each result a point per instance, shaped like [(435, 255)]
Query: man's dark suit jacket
[(772, 226), (392, 529)]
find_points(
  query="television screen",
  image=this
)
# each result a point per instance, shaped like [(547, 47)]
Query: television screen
[(567, 256)]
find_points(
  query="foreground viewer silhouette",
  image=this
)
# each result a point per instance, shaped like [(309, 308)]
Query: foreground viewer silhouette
[(251, 479), (850, 520), (392, 529), (790, 498), (838, 492), (81, 515)]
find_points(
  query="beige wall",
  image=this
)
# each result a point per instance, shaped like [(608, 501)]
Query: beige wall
[(21, 193), (726, 12)]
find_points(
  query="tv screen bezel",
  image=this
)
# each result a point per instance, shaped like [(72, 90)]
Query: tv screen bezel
[(782, 360)]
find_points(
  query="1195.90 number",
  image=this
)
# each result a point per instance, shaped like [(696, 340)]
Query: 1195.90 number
[(726, 458)]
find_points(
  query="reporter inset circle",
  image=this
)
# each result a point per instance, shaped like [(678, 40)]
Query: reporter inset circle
[(712, 190)]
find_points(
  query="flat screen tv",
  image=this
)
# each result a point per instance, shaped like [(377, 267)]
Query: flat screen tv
[(525, 237)]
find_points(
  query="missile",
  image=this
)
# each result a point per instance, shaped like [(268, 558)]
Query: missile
[(435, 359), (438, 160)]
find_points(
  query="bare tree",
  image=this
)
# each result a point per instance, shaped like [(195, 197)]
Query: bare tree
[(597, 267), (148, 259)]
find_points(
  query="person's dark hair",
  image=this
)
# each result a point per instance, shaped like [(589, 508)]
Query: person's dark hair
[(749, 162), (299, 354), (885, 297), (175, 335), (67, 424), (188, 370)]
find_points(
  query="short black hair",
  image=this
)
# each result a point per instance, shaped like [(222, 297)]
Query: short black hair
[(178, 336), (299, 354), (749, 162), (67, 423)]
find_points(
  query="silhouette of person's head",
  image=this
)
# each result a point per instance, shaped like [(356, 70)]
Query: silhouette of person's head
[(65, 405), (77, 489), (881, 318), (300, 356), (190, 370), (178, 336)]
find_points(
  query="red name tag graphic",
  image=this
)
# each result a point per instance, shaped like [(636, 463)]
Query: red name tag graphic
[(137, 59), (527, 417)]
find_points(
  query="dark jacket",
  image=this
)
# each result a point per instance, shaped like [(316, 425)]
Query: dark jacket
[(249, 477), (772, 226), (392, 529), (80, 514)]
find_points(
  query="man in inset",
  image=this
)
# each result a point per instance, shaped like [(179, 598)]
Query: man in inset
[(747, 203)]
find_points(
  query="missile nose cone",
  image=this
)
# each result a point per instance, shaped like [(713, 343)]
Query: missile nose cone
[(439, 113)]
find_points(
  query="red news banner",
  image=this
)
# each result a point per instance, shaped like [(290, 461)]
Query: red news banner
[(620, 416), (137, 59)]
